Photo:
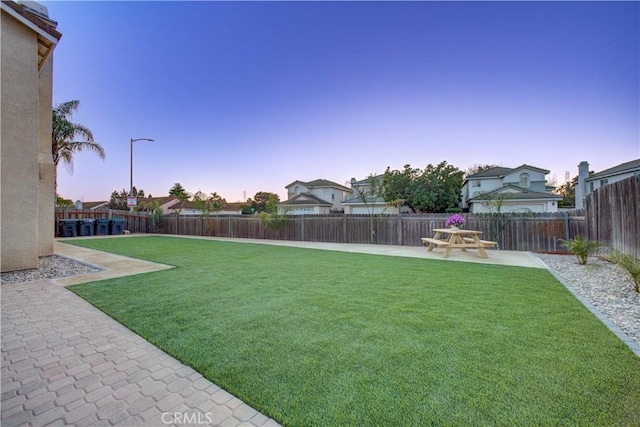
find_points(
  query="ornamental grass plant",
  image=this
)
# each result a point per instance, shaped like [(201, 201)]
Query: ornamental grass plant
[(631, 264), (582, 248)]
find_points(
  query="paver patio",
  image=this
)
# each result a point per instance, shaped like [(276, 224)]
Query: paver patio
[(64, 362)]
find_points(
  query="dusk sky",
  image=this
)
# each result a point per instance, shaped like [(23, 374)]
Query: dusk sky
[(250, 96)]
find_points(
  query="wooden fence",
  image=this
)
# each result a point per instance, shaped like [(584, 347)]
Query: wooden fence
[(532, 232), (613, 215)]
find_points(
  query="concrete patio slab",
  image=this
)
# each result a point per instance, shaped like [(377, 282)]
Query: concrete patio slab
[(513, 258)]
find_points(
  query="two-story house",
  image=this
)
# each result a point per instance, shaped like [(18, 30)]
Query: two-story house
[(589, 183), (521, 189), (317, 197), (365, 198)]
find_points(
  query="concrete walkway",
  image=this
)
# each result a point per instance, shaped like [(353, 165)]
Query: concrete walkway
[(513, 258), (64, 362)]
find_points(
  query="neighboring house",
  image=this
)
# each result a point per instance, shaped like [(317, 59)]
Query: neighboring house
[(191, 208), (93, 206), (320, 196), (361, 201), (27, 169), (587, 184), (520, 189), (231, 209), (305, 204), (146, 204)]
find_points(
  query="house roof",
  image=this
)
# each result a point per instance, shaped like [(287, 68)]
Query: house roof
[(632, 166), (519, 194), (44, 27), (234, 206), (94, 205), (151, 200), (162, 200), (366, 181), (319, 183), (499, 171), (305, 199), (188, 204), (496, 172)]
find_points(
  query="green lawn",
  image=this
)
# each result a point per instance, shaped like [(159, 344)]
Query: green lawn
[(312, 337)]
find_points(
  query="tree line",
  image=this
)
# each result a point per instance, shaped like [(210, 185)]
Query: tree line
[(436, 188)]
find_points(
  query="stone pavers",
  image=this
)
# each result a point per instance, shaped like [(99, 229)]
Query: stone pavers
[(66, 363)]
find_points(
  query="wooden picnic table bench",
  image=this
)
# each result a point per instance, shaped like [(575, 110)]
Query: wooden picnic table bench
[(487, 243), (436, 242), (457, 240)]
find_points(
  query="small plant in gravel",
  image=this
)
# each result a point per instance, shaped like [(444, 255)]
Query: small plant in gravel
[(581, 247), (631, 264)]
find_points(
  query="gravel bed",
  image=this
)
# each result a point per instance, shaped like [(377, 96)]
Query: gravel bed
[(607, 286), (49, 267)]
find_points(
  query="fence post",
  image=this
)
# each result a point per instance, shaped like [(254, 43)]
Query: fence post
[(302, 239), (399, 229), (344, 228)]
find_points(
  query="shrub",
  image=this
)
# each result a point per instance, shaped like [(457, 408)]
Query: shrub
[(631, 264), (157, 216), (274, 221), (453, 210), (581, 247)]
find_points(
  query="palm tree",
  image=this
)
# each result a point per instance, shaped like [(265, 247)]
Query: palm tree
[(64, 134)]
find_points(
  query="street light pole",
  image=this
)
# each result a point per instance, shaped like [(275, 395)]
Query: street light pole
[(131, 170)]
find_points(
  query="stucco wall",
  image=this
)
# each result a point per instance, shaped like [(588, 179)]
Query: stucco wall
[(28, 196), (19, 151), (46, 169)]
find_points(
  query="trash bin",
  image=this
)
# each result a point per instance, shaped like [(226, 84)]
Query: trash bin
[(116, 226), (102, 226), (85, 227), (68, 228)]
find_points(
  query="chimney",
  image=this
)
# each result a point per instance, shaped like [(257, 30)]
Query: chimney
[(581, 185)]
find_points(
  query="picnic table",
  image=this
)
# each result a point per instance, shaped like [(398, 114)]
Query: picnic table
[(458, 238)]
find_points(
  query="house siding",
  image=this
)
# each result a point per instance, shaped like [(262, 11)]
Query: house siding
[(515, 206), (495, 182)]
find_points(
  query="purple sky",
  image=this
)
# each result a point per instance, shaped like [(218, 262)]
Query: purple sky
[(250, 96)]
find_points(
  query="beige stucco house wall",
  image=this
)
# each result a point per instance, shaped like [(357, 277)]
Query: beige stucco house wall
[(26, 167)]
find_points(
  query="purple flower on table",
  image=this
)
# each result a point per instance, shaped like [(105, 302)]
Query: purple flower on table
[(455, 220)]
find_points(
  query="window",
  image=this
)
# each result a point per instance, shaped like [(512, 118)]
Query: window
[(604, 181), (476, 183), (524, 180), (297, 190)]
